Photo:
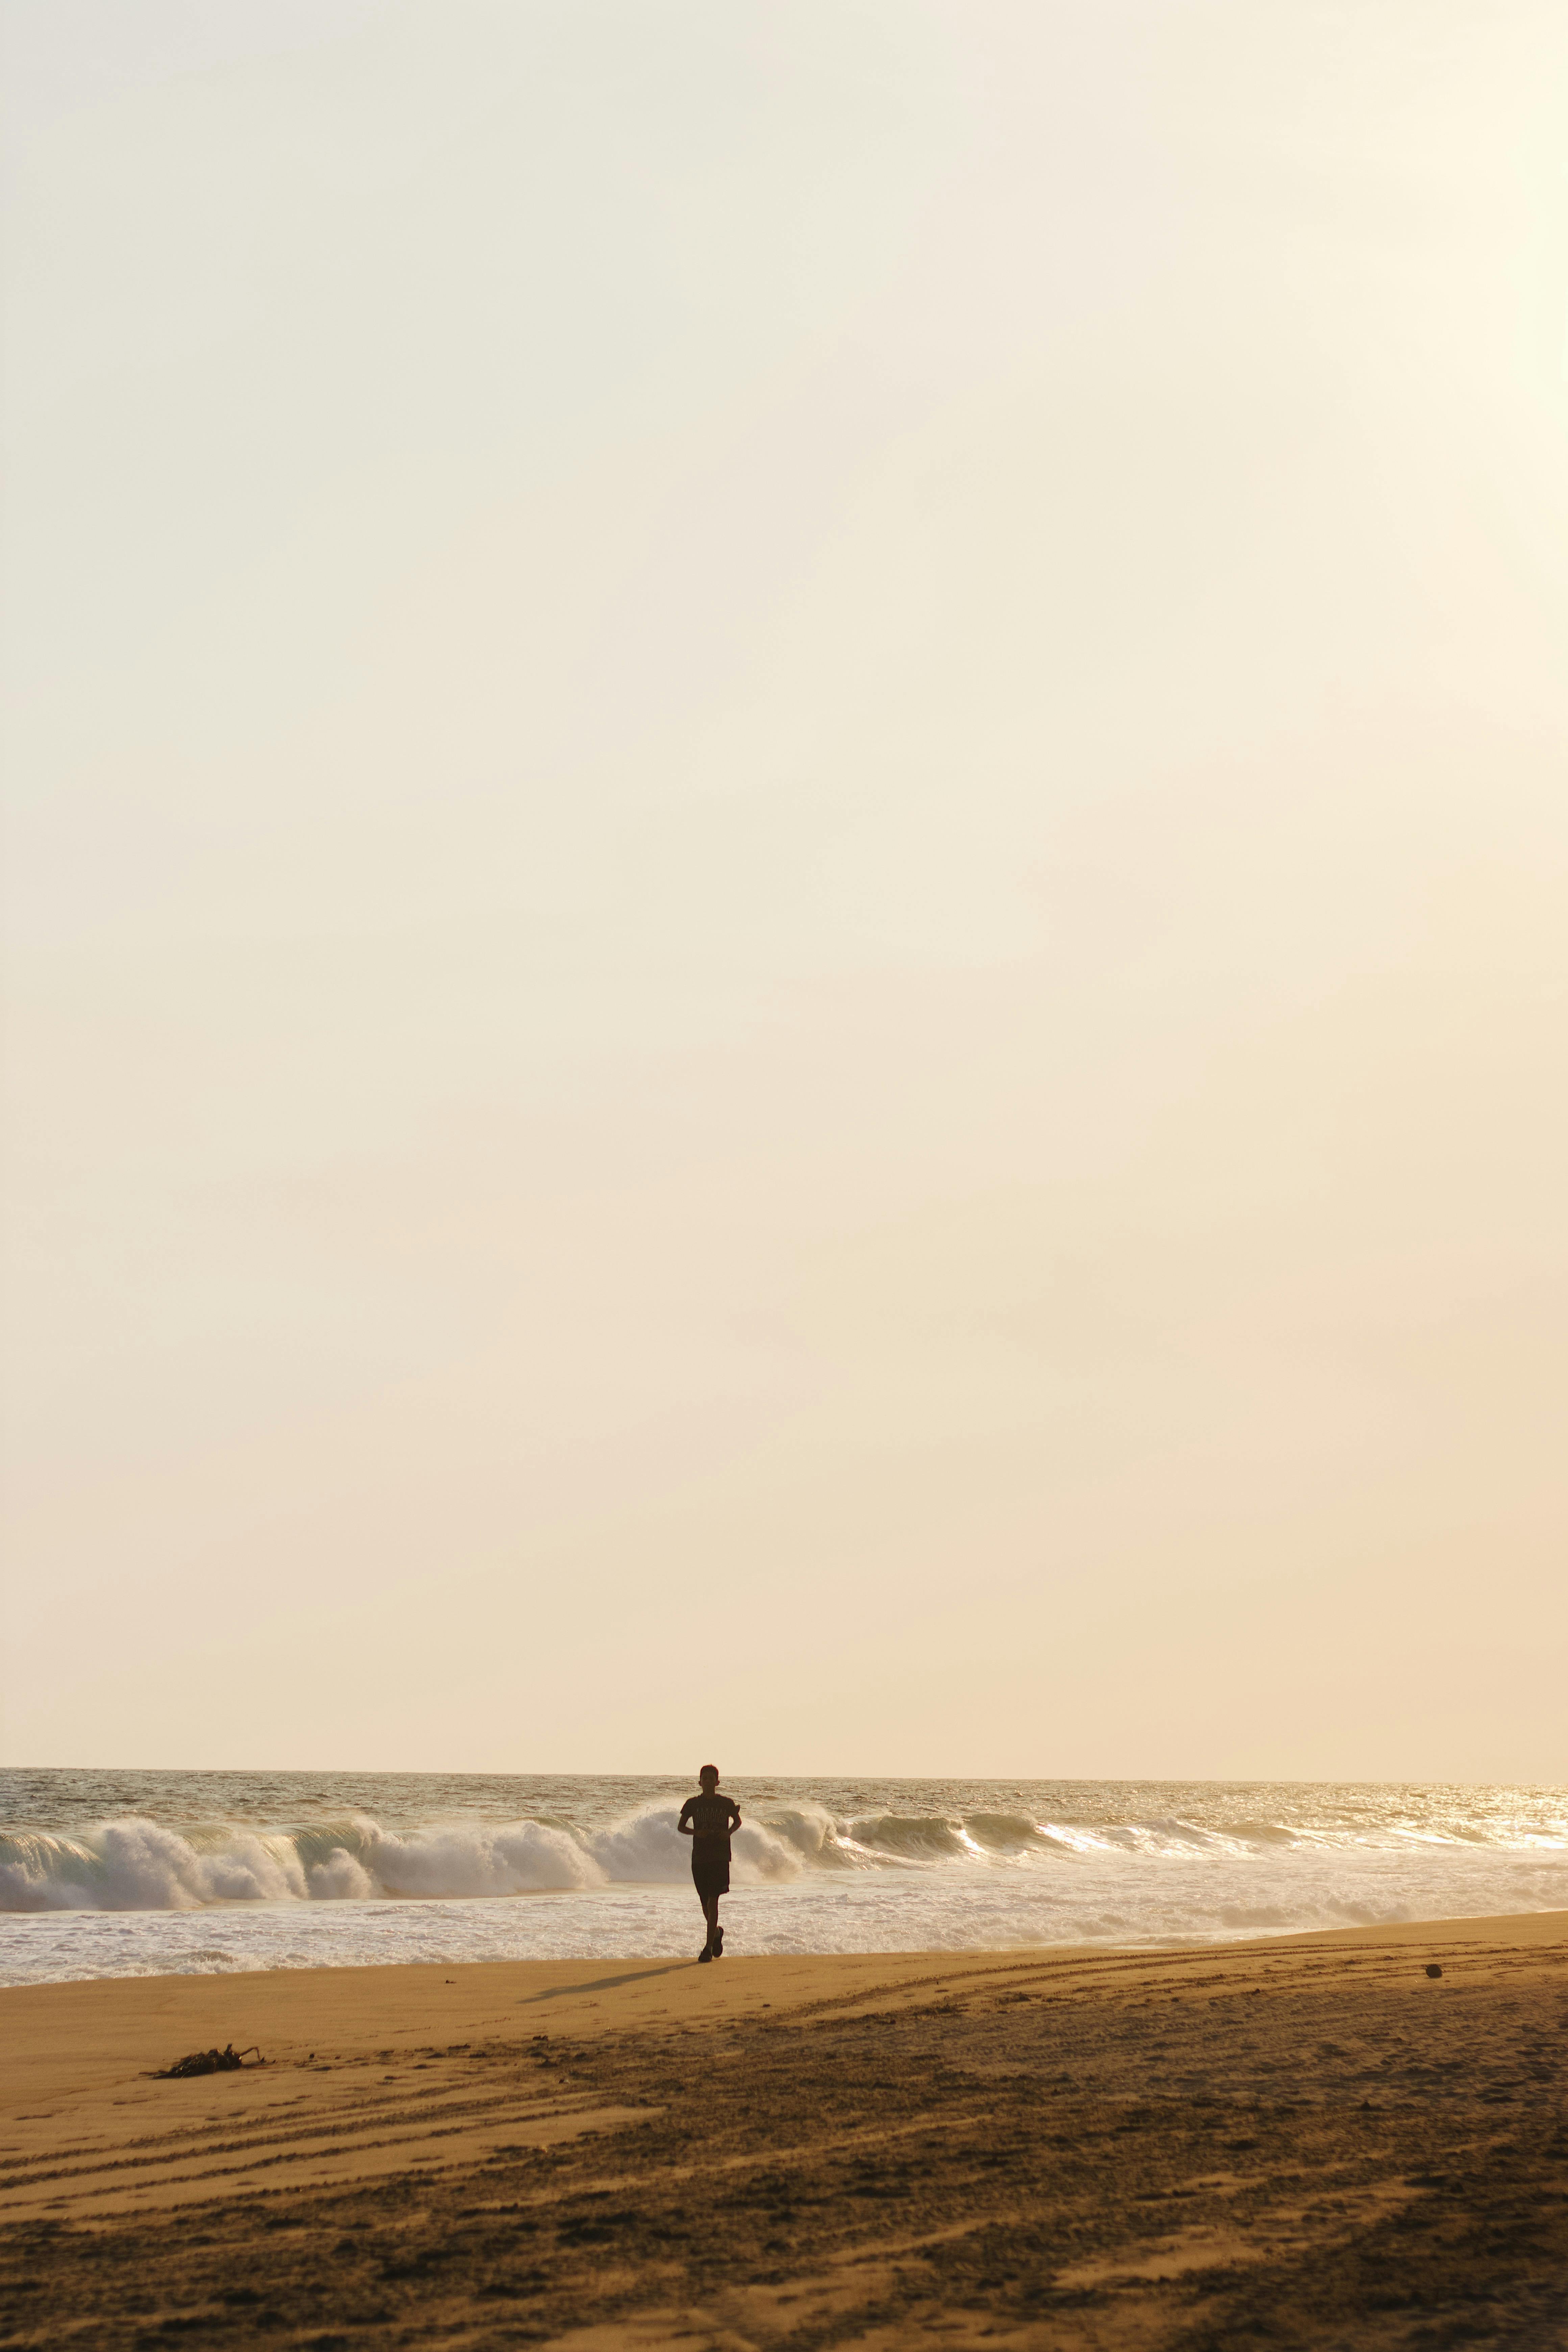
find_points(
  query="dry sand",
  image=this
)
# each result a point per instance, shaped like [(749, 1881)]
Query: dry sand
[(1306, 2141)]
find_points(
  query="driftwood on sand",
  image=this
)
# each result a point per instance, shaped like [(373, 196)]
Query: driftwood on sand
[(227, 2061)]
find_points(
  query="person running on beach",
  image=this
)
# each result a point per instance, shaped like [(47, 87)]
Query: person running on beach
[(708, 1821)]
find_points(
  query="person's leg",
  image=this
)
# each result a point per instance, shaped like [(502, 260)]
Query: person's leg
[(717, 1940), (710, 1913)]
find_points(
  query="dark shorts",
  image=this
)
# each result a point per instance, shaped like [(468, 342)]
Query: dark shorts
[(711, 1871)]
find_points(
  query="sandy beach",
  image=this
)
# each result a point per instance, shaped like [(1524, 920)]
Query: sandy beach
[(1311, 2140)]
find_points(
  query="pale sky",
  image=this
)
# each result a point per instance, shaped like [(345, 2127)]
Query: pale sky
[(785, 845)]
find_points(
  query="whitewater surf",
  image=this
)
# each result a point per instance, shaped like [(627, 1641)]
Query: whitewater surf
[(130, 1873)]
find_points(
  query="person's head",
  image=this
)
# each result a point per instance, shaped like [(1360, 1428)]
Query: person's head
[(708, 1776)]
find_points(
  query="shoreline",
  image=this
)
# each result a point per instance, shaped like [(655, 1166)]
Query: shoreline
[(246, 1939), (302, 2004), (1090, 2144)]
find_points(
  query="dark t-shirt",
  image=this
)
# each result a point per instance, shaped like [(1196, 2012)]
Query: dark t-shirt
[(711, 1818)]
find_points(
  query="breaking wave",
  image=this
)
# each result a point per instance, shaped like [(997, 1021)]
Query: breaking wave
[(134, 1862)]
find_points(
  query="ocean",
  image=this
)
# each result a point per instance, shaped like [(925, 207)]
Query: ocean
[(137, 1873)]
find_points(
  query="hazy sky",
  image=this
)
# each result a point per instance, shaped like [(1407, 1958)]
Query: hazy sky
[(785, 864)]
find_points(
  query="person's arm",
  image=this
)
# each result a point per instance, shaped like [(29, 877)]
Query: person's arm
[(734, 1816), (684, 1824)]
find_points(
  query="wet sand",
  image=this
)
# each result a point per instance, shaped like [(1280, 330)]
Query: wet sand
[(1302, 2142)]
